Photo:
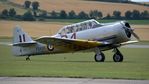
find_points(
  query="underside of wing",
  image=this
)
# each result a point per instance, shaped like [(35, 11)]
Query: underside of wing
[(128, 42), (70, 44)]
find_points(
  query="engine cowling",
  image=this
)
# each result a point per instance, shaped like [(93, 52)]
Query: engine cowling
[(127, 31)]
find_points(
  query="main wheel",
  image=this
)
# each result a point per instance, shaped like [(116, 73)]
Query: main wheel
[(99, 57), (118, 57)]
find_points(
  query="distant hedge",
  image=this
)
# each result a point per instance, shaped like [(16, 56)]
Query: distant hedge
[(35, 13), (11, 14)]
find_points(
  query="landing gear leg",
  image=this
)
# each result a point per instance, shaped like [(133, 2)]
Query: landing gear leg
[(28, 58), (117, 57), (99, 56)]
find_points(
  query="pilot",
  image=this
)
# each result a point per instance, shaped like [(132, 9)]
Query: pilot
[(90, 25)]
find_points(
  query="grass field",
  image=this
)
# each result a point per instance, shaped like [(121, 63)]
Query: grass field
[(5, 5), (135, 65), (76, 5), (85, 5)]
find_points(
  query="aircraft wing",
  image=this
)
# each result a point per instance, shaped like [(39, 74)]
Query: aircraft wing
[(128, 42), (70, 44)]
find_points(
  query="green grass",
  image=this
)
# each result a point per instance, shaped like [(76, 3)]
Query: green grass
[(135, 65)]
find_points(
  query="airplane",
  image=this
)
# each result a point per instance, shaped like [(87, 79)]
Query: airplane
[(89, 36)]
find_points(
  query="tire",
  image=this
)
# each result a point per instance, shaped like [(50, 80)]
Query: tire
[(117, 57), (99, 57)]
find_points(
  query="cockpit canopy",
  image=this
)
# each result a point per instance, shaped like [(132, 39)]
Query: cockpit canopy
[(79, 27)]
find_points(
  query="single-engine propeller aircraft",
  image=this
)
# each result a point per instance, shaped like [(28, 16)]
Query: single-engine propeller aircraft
[(88, 35)]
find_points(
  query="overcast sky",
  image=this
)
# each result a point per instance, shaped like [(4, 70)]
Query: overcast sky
[(141, 0)]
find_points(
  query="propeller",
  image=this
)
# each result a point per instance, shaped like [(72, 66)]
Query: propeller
[(130, 30), (134, 34)]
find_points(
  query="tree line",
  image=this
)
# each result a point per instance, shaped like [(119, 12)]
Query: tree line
[(34, 14), (93, 14)]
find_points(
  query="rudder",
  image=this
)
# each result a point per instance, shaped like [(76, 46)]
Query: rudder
[(19, 36)]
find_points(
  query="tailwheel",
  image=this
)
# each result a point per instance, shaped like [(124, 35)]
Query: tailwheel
[(99, 57), (117, 57), (28, 59)]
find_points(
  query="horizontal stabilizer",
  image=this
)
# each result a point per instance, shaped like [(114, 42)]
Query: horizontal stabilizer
[(24, 44), (6, 43)]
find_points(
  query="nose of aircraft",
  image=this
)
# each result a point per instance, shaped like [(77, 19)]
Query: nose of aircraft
[(129, 31)]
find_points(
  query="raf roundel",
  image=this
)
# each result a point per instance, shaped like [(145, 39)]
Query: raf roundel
[(50, 47)]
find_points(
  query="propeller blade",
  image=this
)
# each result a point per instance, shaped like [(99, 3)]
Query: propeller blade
[(134, 34)]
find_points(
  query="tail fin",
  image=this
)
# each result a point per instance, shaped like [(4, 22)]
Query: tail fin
[(19, 36), (21, 41)]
